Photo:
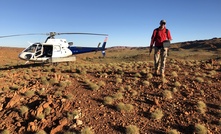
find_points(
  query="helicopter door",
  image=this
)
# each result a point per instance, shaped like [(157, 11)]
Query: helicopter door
[(47, 51), (39, 50)]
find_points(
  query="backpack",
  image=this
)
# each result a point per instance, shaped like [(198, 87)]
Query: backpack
[(166, 42), (158, 31)]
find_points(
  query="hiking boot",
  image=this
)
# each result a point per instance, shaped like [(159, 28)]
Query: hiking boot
[(156, 73)]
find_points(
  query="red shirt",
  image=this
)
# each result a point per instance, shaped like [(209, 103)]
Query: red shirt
[(160, 35)]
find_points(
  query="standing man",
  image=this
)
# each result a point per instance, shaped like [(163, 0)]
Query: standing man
[(159, 36)]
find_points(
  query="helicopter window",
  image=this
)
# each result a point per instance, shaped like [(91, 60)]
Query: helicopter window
[(31, 49), (39, 47), (57, 48)]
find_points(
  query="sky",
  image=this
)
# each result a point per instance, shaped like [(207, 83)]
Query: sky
[(127, 22)]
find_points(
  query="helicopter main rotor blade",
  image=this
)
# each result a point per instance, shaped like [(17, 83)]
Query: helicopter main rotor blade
[(52, 34), (22, 35), (85, 34)]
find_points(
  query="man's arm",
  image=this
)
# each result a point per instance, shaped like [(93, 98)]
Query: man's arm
[(152, 41), (151, 47)]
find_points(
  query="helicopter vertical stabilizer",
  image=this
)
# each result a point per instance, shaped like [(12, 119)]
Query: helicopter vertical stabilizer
[(103, 47), (104, 44)]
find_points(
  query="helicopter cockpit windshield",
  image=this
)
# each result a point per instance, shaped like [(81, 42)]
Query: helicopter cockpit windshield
[(31, 48), (35, 48)]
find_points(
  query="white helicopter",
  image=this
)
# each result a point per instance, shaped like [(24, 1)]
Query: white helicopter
[(56, 50)]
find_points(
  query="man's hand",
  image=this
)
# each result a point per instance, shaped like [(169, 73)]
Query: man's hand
[(151, 47)]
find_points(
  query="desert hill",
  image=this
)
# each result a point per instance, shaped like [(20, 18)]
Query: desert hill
[(210, 44), (116, 94)]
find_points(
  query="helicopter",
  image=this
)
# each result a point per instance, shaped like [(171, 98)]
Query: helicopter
[(54, 50)]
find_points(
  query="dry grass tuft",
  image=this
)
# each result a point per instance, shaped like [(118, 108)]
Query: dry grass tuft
[(167, 94), (29, 93), (201, 107), (174, 74), (199, 79), (101, 83), (132, 129), (200, 129), (118, 80), (108, 100), (118, 96), (93, 86), (149, 76), (40, 132), (146, 83), (87, 130), (47, 111), (157, 114), (40, 116), (124, 107), (177, 84), (5, 131), (173, 131), (23, 110)]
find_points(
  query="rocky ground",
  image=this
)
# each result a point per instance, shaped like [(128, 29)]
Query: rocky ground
[(120, 97)]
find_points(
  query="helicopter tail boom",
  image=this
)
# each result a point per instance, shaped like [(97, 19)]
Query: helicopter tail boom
[(79, 50)]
